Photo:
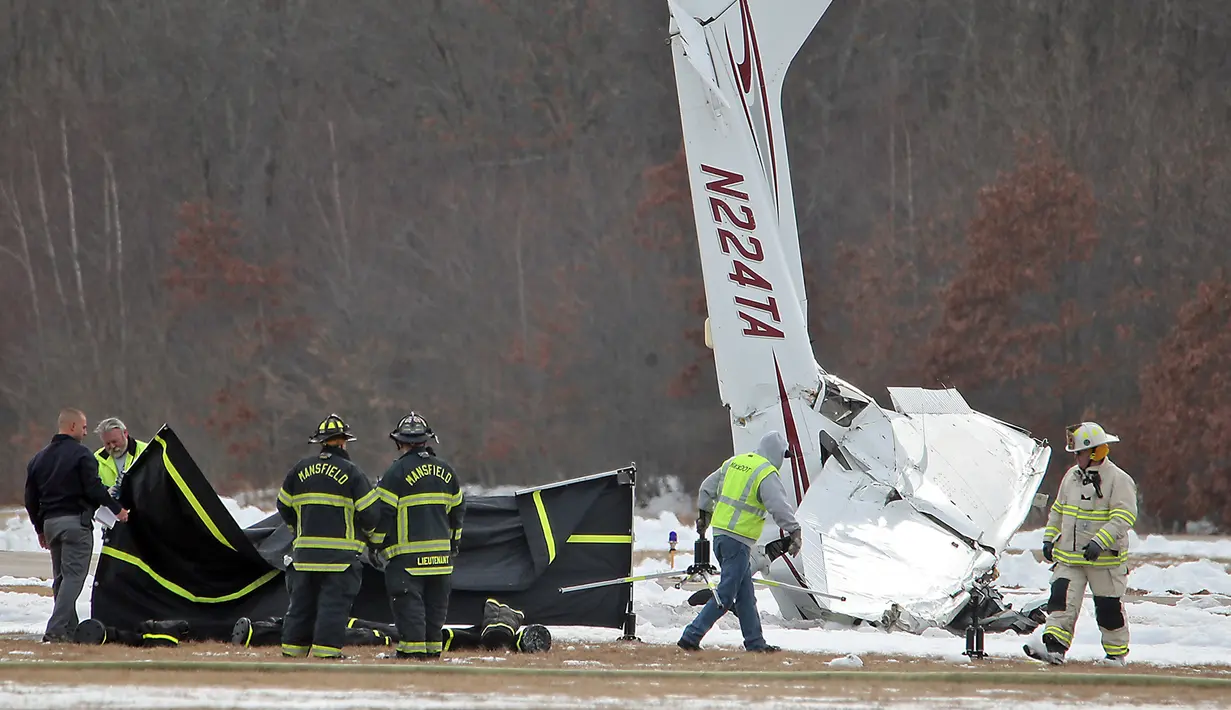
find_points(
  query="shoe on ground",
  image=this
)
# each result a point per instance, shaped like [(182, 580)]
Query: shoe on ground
[(688, 645), (1037, 650), (412, 656), (767, 648), (1113, 661), (241, 632)]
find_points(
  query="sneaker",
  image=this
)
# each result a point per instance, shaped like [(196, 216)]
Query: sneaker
[(241, 632), (767, 648), (688, 645)]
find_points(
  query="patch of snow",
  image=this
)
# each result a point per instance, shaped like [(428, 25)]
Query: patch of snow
[(850, 660), (1184, 578), (1023, 571), (140, 697), (9, 581)]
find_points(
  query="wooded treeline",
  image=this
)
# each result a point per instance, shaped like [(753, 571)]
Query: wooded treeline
[(236, 217)]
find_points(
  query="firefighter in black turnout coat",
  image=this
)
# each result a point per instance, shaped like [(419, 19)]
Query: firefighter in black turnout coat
[(325, 500), (421, 517)]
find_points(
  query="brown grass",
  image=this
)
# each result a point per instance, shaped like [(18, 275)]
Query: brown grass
[(28, 589), (595, 657)]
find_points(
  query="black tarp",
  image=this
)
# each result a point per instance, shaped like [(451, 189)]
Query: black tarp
[(182, 556)]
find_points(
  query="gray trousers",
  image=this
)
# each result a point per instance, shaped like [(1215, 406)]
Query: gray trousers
[(71, 544)]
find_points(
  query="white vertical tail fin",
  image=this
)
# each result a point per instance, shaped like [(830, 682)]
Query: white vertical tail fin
[(741, 50), (731, 57)]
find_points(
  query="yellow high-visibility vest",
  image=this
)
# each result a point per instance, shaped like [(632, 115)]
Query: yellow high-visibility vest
[(739, 508)]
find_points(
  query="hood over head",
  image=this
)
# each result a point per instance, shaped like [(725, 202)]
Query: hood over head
[(773, 447)]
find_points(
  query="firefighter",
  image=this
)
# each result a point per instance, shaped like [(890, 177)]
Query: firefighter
[(1087, 537), (421, 515), (324, 500)]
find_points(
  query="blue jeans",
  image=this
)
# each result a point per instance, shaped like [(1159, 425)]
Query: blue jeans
[(734, 591)]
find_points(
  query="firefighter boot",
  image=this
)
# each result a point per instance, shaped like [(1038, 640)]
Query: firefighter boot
[(241, 632), (500, 625), (91, 632), (164, 633), (533, 638)]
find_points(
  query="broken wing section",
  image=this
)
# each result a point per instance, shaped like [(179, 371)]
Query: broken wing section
[(911, 508), (981, 474)]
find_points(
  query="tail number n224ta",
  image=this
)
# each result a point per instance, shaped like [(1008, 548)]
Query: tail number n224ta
[(745, 250)]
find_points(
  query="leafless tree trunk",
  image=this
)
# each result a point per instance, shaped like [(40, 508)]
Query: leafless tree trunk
[(337, 204), (50, 243), (10, 198), (75, 251), (119, 280)]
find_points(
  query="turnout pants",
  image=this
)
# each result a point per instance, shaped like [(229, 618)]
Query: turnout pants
[(71, 542), (320, 605), (1068, 588), (419, 604), (269, 633)]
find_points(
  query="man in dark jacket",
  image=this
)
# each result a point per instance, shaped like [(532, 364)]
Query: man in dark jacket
[(325, 500), (62, 492), (421, 516)]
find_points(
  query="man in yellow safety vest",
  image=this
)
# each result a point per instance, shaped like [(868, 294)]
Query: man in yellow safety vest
[(735, 500), (117, 454)]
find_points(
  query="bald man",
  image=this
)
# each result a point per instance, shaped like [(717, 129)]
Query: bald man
[(62, 492)]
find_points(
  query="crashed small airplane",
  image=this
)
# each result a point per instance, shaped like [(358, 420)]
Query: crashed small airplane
[(905, 511)]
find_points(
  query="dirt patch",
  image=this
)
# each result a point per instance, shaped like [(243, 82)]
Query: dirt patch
[(28, 589), (635, 690), (577, 655)]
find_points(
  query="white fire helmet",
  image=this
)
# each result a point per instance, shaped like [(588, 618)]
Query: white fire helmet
[(1087, 435)]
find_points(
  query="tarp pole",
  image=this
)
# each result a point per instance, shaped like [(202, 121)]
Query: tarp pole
[(630, 617)]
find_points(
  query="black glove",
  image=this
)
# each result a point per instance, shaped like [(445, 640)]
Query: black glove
[(703, 521), (797, 540), (455, 547), (1093, 550), (1047, 546)]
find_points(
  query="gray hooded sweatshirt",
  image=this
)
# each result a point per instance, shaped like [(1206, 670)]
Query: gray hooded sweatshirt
[(773, 447)]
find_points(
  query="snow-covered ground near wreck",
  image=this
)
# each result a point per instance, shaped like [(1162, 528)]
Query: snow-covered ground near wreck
[(1196, 629), (51, 696)]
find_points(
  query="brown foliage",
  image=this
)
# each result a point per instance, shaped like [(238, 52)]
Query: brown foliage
[(1183, 428), (484, 209), (1004, 309)]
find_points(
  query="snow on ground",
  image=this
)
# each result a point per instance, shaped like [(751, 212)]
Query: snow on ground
[(1216, 548), (1195, 630), (62, 697)]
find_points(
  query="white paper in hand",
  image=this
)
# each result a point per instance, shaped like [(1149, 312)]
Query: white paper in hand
[(106, 517)]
